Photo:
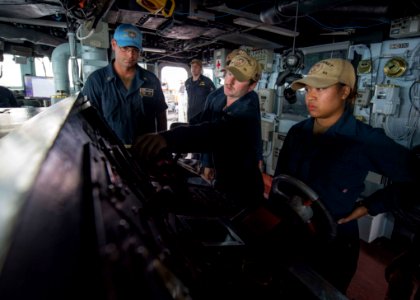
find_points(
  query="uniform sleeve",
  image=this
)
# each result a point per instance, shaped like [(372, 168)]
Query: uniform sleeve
[(284, 155), (206, 161), (400, 166), (7, 98), (259, 142), (211, 84), (92, 89), (394, 163), (260, 149), (160, 98), (192, 138), (205, 114), (12, 100), (210, 136)]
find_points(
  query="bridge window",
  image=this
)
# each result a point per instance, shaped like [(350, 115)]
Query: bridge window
[(11, 73), (172, 80), (43, 67)]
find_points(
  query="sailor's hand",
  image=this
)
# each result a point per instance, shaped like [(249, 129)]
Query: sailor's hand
[(356, 214), (149, 145), (208, 174)]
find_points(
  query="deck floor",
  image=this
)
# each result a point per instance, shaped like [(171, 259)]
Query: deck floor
[(369, 281)]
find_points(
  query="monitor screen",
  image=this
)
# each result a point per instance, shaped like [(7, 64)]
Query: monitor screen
[(39, 87)]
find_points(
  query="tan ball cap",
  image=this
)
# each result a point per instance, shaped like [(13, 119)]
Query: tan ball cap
[(244, 67), (328, 72)]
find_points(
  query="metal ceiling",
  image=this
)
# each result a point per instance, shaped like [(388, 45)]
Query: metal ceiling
[(196, 28)]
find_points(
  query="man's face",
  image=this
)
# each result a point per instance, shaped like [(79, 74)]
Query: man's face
[(195, 69), (125, 56), (234, 88)]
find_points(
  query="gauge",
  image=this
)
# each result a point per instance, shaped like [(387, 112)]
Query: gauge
[(292, 61), (364, 66), (395, 67)]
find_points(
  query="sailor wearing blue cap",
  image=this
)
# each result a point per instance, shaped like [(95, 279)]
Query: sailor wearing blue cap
[(129, 97), (127, 35)]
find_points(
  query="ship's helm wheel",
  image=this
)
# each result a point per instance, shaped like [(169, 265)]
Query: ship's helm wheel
[(297, 202)]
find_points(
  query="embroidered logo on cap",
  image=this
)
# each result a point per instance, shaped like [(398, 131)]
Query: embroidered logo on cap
[(315, 68), (131, 34)]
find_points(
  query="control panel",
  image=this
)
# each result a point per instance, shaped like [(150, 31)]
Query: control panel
[(268, 122), (386, 99), (405, 27), (264, 56), (266, 100)]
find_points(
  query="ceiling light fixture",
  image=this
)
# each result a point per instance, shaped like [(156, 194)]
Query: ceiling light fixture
[(326, 48), (265, 27), (154, 50), (347, 31)]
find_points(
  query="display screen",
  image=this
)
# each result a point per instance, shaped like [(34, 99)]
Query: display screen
[(39, 87)]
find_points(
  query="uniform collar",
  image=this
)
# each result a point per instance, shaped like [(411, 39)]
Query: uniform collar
[(346, 124), (200, 78), (245, 103), (111, 74)]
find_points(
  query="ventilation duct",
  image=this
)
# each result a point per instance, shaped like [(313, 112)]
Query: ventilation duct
[(60, 60), (276, 14), (92, 59)]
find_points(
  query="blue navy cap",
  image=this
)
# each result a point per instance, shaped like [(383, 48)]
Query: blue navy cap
[(128, 35)]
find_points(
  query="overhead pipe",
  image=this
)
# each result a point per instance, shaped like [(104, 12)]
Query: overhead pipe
[(283, 10), (92, 59), (15, 34), (60, 59), (276, 14), (38, 22)]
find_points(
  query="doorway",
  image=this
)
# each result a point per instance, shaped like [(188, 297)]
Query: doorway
[(173, 79)]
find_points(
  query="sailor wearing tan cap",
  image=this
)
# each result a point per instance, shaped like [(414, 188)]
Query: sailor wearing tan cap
[(332, 153), (232, 137), (240, 72)]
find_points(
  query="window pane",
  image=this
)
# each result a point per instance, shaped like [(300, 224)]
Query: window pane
[(43, 66), (11, 73), (209, 73), (173, 79)]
